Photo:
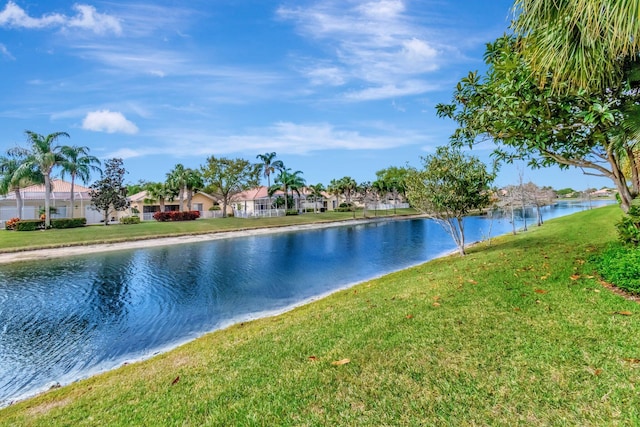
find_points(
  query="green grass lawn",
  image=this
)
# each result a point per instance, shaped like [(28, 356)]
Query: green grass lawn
[(14, 241), (518, 333)]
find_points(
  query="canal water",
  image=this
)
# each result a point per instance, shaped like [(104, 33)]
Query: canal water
[(68, 318)]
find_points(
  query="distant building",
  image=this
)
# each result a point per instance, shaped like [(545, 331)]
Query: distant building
[(60, 202)]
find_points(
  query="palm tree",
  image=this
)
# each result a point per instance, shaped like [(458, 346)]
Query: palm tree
[(78, 163), (335, 188), (158, 191), (269, 166), (12, 178), (43, 155), (176, 180), (316, 194), (192, 184), (349, 187), (286, 181), (582, 42)]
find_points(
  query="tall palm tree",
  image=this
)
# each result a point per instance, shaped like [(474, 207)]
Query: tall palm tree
[(335, 188), (176, 179), (316, 193), (349, 187), (192, 184), (79, 164), (269, 166), (43, 155), (286, 181), (12, 178), (583, 42)]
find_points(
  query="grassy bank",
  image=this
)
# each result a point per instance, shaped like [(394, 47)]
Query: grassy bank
[(11, 241), (518, 333)]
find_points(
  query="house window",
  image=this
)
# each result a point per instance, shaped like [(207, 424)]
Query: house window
[(198, 207)]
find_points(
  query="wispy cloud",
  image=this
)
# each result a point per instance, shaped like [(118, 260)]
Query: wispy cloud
[(373, 43), (86, 18), (108, 121), (285, 137), (5, 52)]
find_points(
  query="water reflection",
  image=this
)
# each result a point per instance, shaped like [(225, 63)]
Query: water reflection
[(66, 318)]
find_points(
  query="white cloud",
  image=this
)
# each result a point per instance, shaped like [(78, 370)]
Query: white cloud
[(108, 121), (86, 18), (376, 45), (14, 16), (286, 137), (5, 52)]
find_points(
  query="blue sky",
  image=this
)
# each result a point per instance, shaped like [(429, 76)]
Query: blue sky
[(344, 87)]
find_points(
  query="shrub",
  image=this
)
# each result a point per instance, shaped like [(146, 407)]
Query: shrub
[(620, 265), (130, 220), (629, 227), (68, 222), (11, 224), (291, 212), (29, 225), (176, 216), (344, 207), (215, 208)]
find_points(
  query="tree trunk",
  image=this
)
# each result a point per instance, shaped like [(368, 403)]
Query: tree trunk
[(73, 179), (461, 236), (19, 202), (161, 203), (635, 177), (189, 197), (224, 207), (621, 183), (47, 200), (106, 217)]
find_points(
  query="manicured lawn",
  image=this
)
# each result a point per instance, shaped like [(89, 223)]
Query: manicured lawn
[(12, 241), (518, 333)]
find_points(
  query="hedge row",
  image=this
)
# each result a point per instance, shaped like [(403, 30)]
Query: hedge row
[(176, 216), (38, 224)]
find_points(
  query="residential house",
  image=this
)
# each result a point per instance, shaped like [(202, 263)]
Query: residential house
[(144, 207), (60, 202)]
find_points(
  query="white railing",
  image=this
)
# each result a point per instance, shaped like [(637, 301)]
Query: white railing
[(387, 206), (267, 213)]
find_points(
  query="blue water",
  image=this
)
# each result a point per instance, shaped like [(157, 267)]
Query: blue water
[(65, 319)]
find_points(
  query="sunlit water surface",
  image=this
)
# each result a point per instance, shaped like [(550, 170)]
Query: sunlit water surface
[(65, 319)]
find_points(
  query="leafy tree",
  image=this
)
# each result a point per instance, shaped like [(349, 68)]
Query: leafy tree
[(268, 166), (585, 43), (450, 186), (137, 187), (43, 155), (591, 131), (79, 164), (109, 194), (392, 178), (13, 177), (565, 192), (226, 177)]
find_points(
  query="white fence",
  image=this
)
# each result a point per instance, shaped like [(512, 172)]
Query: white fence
[(387, 206), (267, 213)]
